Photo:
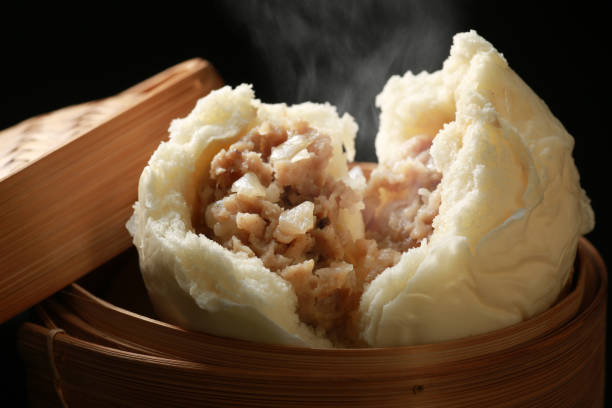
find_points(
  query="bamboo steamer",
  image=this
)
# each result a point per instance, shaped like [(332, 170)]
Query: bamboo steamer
[(97, 343), (107, 355)]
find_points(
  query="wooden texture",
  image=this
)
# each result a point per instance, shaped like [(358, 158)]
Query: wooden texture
[(68, 181), (110, 356)]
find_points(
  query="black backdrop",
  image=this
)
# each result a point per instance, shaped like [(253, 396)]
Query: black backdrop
[(341, 52)]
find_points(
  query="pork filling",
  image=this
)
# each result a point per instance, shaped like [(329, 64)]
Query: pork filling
[(402, 199), (270, 195)]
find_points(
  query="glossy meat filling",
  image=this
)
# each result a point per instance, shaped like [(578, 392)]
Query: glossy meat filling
[(269, 195)]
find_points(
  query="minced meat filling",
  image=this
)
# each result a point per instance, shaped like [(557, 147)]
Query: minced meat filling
[(402, 198), (269, 195)]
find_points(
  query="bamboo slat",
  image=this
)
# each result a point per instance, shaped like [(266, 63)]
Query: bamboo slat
[(110, 356), (68, 181)]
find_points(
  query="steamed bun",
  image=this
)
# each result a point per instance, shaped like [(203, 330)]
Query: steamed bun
[(511, 204), (193, 281)]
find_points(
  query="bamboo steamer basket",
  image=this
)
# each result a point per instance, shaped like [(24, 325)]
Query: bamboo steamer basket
[(97, 343), (90, 352)]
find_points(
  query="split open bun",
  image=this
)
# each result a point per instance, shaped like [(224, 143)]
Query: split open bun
[(508, 211)]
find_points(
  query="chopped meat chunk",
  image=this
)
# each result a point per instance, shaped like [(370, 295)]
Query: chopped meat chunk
[(251, 223), (295, 222)]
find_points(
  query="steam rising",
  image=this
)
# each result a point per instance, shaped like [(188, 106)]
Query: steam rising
[(343, 52)]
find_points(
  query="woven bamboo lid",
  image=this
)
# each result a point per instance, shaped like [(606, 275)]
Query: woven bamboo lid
[(68, 181)]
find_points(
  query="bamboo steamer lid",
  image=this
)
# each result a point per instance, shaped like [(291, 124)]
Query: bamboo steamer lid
[(68, 181)]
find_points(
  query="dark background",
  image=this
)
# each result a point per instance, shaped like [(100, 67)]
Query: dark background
[(336, 51)]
